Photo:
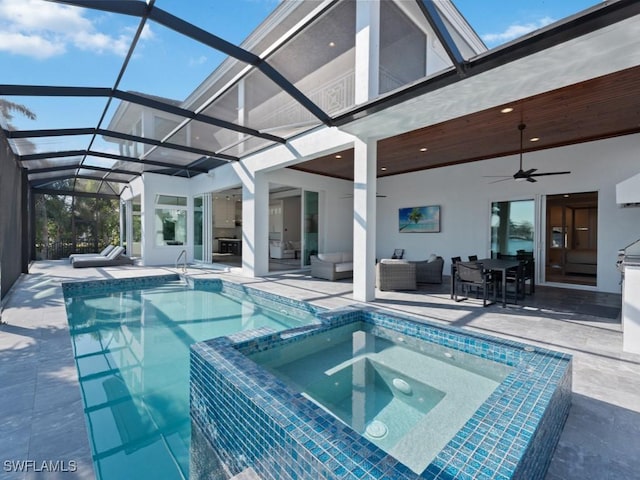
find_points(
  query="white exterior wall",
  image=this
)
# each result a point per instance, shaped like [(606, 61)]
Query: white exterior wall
[(163, 185), (465, 198)]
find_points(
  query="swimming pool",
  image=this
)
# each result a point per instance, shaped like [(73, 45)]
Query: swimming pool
[(254, 419), (131, 343)]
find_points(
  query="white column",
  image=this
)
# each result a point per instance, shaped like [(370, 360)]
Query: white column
[(631, 309), (367, 50), (364, 219), (255, 225)]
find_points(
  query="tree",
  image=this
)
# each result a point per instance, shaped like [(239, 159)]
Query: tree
[(7, 109), (416, 215)]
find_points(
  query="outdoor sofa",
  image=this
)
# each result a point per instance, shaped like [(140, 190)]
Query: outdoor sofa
[(332, 266), (115, 258)]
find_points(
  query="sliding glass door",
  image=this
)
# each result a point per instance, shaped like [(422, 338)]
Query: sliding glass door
[(197, 229), (310, 213)]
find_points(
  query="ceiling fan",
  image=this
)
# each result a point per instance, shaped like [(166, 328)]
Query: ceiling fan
[(521, 174)]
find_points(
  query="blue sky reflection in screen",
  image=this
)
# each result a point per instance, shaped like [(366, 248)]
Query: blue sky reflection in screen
[(48, 43)]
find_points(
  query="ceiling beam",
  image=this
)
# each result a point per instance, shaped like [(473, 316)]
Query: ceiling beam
[(434, 19), (112, 156), (50, 132), (183, 112), (53, 191), (36, 171), (59, 132), (45, 181), (171, 146)]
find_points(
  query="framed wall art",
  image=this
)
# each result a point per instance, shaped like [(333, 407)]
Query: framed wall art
[(419, 219)]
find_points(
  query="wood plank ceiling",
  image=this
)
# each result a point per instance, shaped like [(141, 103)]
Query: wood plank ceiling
[(599, 108)]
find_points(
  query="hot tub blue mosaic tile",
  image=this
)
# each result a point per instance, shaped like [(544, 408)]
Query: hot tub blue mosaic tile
[(251, 419)]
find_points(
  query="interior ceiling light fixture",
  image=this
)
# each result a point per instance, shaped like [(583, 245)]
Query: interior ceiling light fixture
[(507, 110), (424, 149), (521, 174)]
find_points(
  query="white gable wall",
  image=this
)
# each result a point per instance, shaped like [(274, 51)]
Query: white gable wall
[(465, 198)]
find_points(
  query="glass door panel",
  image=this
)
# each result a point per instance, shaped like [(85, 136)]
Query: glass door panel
[(310, 227), (197, 229), (136, 226)]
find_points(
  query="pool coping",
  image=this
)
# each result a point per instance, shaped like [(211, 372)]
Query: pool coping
[(486, 447)]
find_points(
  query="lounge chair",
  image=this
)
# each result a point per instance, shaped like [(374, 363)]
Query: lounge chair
[(106, 251), (113, 259)]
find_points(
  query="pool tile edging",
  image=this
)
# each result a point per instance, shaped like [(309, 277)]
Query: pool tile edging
[(486, 447)]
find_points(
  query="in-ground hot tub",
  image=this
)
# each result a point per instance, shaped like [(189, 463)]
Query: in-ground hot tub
[(379, 395)]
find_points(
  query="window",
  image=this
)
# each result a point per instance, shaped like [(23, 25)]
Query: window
[(512, 227), (171, 220), (399, 34)]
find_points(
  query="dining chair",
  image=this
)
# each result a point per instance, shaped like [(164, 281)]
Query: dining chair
[(514, 283), (473, 275), (473, 258), (528, 272)]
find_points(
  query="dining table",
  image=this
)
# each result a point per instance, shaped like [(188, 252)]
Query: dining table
[(494, 265)]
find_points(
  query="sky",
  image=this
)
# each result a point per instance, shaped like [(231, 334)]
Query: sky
[(49, 43)]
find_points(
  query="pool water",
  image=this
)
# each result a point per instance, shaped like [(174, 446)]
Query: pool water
[(132, 354), (407, 397)]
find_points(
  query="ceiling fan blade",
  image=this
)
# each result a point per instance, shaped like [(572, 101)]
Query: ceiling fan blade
[(496, 176), (531, 179), (501, 180), (544, 174), (378, 195), (529, 172)]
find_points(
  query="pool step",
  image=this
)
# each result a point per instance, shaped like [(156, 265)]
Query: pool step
[(172, 286)]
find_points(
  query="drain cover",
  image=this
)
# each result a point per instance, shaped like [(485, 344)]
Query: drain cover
[(402, 385), (376, 429)]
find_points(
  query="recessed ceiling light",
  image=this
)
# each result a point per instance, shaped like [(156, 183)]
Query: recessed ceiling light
[(332, 44), (534, 139), (338, 156), (383, 168), (566, 196), (424, 149), (507, 110)]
